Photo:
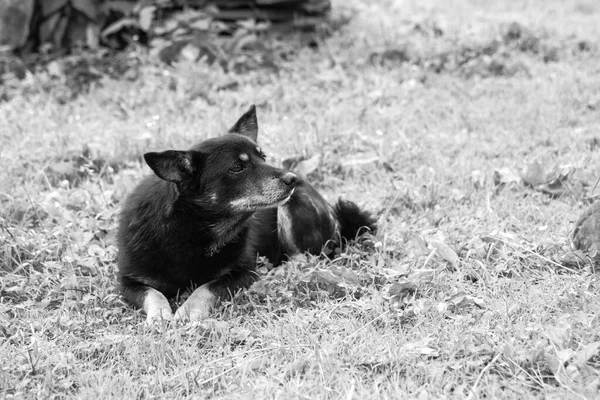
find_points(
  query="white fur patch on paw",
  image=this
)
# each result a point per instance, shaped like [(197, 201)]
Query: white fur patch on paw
[(156, 307), (198, 306)]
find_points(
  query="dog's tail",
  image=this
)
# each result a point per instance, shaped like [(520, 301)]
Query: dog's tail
[(353, 221)]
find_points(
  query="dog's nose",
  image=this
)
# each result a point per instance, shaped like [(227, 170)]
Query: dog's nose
[(289, 178)]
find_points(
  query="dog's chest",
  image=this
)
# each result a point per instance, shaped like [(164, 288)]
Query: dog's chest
[(225, 232)]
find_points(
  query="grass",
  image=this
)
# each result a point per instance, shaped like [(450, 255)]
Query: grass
[(517, 316)]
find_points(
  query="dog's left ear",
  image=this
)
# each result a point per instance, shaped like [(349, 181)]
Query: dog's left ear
[(173, 166), (247, 125)]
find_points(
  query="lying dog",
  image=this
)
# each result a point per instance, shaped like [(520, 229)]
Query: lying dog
[(206, 215)]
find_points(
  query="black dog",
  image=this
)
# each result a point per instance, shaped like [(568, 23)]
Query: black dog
[(207, 214)]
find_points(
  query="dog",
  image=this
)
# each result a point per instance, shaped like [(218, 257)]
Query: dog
[(206, 214)]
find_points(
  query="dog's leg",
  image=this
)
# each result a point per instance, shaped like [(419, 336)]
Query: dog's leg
[(198, 306), (156, 306), (201, 302)]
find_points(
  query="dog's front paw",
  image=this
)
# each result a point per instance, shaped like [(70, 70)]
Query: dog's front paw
[(198, 306), (154, 318), (157, 307)]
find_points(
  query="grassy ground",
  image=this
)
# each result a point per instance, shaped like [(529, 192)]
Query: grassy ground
[(469, 289)]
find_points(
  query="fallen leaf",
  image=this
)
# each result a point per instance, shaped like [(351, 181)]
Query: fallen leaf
[(306, 167), (63, 168), (336, 281), (559, 333), (586, 234), (533, 174), (554, 188), (477, 179), (297, 367), (417, 246), (505, 175), (552, 361), (584, 354), (508, 352), (556, 182), (96, 251), (364, 159), (463, 300), (290, 163), (420, 347), (575, 258), (445, 252), (424, 275), (400, 290)]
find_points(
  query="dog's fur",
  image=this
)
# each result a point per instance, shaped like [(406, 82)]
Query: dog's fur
[(201, 221)]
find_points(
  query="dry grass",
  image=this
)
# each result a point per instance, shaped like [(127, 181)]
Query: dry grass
[(512, 318)]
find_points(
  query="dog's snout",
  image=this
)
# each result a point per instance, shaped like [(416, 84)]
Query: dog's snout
[(289, 178)]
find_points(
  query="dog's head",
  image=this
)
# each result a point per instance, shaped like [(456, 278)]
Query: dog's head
[(227, 173)]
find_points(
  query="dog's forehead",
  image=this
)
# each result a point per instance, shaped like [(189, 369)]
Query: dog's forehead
[(229, 142)]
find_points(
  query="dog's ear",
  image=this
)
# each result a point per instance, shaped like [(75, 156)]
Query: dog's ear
[(247, 125), (170, 165)]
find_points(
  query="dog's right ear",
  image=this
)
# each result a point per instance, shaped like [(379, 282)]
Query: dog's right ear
[(170, 165), (247, 125)]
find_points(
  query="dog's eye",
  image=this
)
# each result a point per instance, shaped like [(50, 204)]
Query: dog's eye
[(237, 168), (264, 157)]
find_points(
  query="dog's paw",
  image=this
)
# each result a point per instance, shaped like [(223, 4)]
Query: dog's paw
[(158, 316), (157, 307), (198, 306)]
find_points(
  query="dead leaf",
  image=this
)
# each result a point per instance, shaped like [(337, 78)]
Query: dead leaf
[(463, 300), (96, 251), (575, 259), (428, 351), (477, 179), (445, 252), (402, 289), (63, 168), (420, 347), (337, 281), (508, 352), (306, 167), (424, 275), (584, 354), (290, 163), (554, 188), (505, 176), (586, 234), (364, 159), (533, 174), (496, 249), (297, 367), (553, 361), (417, 246), (556, 182), (558, 334)]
